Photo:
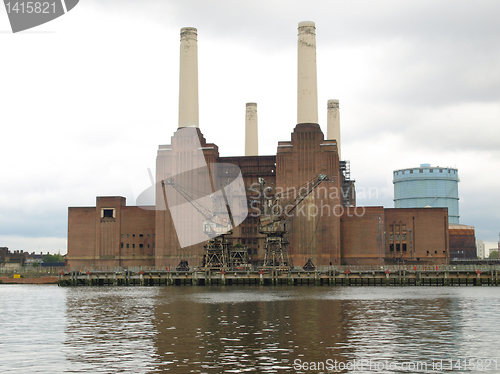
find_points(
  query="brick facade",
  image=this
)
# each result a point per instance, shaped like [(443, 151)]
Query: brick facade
[(321, 228), (110, 234)]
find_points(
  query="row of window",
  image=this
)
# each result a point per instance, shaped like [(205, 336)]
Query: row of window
[(403, 248), (399, 247), (133, 245), (249, 230), (435, 252), (140, 235), (252, 251), (397, 227), (427, 170), (251, 220), (397, 236)]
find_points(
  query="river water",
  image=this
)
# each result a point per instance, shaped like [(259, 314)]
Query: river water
[(49, 329)]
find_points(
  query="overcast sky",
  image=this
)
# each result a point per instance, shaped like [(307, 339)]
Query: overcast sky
[(87, 98)]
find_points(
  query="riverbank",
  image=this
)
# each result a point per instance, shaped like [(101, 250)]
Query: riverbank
[(48, 279), (402, 276)]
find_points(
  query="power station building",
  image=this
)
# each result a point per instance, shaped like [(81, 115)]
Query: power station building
[(325, 228)]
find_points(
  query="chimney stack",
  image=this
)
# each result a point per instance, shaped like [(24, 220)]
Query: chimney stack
[(333, 122), (251, 130), (307, 90), (188, 81)]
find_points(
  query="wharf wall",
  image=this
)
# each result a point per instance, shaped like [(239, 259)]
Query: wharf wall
[(334, 276)]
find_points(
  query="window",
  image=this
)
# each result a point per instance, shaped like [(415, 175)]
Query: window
[(404, 247), (107, 213), (141, 245), (398, 247), (421, 170), (411, 171), (128, 245), (121, 245), (141, 235), (431, 170), (391, 247), (133, 245)]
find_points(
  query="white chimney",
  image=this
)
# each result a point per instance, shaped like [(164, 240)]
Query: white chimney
[(333, 122), (188, 79), (251, 130), (307, 90)]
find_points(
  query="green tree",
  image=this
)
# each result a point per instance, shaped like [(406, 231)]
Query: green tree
[(53, 258), (494, 254)]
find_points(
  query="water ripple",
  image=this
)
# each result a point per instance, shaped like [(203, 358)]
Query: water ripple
[(47, 329)]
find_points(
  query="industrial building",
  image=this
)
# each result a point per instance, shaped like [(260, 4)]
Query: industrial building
[(434, 186), (427, 186), (462, 242), (322, 227)]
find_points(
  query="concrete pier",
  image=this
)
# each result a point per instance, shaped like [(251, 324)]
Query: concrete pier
[(338, 276)]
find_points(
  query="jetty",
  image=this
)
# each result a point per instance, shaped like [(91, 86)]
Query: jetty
[(449, 275)]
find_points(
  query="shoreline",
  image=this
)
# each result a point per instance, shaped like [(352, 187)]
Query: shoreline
[(49, 279)]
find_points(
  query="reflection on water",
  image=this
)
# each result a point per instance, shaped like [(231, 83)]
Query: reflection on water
[(240, 329), (110, 330)]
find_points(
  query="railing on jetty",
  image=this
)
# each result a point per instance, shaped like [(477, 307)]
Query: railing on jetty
[(402, 275)]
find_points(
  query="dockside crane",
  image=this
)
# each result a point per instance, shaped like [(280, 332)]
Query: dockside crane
[(214, 223), (219, 253), (273, 222)]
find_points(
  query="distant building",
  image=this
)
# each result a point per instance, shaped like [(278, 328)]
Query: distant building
[(480, 249), (3, 254), (491, 250), (462, 242), (34, 258), (427, 186), (10, 259)]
